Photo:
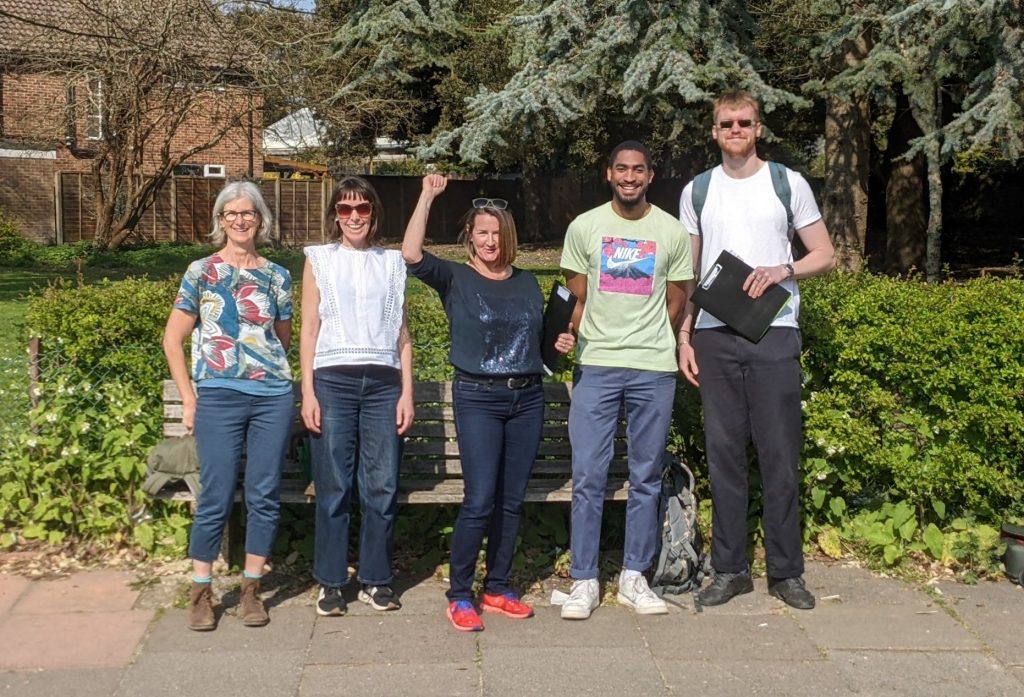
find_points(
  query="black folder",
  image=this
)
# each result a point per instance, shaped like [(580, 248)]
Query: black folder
[(557, 316), (720, 293)]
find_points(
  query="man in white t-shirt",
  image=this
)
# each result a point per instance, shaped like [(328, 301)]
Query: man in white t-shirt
[(751, 391), (629, 264)]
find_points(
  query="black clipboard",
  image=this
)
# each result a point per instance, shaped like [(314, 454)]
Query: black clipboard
[(720, 293), (557, 315)]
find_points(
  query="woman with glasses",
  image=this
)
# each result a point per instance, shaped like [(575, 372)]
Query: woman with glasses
[(495, 312), (237, 306), (357, 399)]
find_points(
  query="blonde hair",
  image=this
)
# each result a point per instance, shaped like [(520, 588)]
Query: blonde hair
[(508, 243), (736, 99)]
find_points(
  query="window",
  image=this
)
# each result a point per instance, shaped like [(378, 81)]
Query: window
[(94, 107)]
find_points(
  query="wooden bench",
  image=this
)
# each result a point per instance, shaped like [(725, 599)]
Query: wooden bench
[(431, 470)]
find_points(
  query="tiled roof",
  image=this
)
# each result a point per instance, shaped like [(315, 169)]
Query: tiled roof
[(26, 28)]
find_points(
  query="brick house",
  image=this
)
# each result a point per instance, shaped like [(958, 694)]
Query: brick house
[(53, 124)]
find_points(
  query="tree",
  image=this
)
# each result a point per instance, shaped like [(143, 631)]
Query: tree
[(960, 65)]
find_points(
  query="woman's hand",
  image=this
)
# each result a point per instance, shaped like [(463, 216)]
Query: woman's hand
[(188, 413), (311, 413), (565, 341), (405, 412), (433, 185)]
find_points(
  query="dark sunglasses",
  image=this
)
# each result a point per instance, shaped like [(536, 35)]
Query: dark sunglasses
[(498, 204), (345, 209), (743, 123)]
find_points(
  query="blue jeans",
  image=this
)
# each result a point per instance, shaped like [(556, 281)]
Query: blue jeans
[(359, 438), (593, 419), (226, 420), (499, 433), (751, 392)]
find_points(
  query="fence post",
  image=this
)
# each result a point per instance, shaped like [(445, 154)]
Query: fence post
[(58, 201), (277, 209), (35, 348)]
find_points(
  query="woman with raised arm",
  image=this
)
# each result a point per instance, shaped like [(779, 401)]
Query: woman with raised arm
[(495, 313), (357, 399), (237, 306)]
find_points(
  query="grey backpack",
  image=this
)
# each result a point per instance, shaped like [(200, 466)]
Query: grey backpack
[(681, 561), (173, 460)]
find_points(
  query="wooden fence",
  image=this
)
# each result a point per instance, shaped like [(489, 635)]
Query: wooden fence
[(182, 211)]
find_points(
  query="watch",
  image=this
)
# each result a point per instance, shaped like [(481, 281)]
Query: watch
[(789, 271)]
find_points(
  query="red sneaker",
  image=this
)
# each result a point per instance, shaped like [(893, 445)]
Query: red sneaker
[(507, 604), (463, 617)]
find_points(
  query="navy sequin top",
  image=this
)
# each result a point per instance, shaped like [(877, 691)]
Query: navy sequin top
[(496, 326)]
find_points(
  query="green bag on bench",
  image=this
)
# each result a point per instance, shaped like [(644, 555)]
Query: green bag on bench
[(173, 460)]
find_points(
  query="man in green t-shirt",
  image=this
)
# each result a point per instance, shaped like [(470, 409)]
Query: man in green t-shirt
[(629, 264)]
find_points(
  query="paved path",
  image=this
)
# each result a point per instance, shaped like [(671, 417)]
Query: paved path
[(92, 635)]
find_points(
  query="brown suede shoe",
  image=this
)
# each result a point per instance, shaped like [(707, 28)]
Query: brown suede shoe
[(250, 607), (200, 608)]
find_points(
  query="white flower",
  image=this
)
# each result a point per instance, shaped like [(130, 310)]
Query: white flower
[(830, 450), (822, 476), (85, 426), (87, 386), (803, 404), (71, 390), (64, 452), (60, 390), (37, 392), (32, 442), (51, 418)]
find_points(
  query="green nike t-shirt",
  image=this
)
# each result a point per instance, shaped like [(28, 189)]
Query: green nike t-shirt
[(627, 263)]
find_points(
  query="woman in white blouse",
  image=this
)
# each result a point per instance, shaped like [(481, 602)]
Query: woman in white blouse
[(357, 399)]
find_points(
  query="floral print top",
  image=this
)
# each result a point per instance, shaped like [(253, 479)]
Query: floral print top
[(235, 312)]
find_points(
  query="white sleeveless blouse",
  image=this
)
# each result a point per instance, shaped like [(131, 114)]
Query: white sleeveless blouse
[(362, 295)]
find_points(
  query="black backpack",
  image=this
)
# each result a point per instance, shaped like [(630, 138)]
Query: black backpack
[(682, 563)]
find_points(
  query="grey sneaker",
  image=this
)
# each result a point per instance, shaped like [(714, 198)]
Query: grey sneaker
[(380, 598), (584, 597), (635, 593), (330, 602)]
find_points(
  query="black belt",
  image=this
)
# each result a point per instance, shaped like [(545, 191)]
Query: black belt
[(516, 382)]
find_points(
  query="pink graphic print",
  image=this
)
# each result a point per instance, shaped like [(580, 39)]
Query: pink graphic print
[(627, 266)]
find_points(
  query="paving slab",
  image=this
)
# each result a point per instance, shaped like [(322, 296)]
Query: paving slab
[(885, 627), (289, 630), (729, 638), (389, 638), (221, 672), (744, 678), (570, 671), (993, 610), (11, 589), (73, 640), (87, 591), (924, 673), (848, 583), (98, 682), (608, 627), (436, 679)]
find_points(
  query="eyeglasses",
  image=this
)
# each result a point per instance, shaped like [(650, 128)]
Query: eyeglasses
[(232, 216), (726, 124), (498, 204), (345, 210)]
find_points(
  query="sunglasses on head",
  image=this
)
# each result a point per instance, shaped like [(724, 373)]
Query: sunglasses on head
[(498, 204), (742, 123), (345, 210)]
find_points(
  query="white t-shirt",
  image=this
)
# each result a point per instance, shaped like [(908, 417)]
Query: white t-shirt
[(362, 295), (746, 218)]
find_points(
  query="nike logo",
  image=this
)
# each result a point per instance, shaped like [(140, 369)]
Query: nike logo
[(614, 263)]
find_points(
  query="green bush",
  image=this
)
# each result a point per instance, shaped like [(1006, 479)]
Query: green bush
[(112, 328), (15, 250), (913, 400)]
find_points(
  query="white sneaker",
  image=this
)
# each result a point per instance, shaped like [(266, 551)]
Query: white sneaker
[(583, 599), (635, 593)]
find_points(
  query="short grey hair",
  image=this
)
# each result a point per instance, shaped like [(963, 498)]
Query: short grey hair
[(232, 192)]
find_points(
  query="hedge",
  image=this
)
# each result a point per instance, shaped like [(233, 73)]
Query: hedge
[(913, 395)]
